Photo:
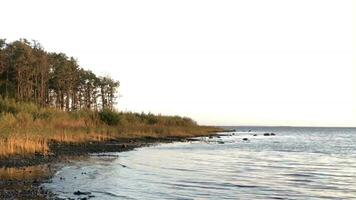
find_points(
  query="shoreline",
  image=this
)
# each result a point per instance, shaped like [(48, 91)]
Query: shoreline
[(30, 188)]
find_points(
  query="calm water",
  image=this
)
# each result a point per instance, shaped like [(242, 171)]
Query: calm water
[(297, 163)]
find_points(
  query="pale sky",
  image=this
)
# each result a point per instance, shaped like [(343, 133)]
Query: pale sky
[(221, 62)]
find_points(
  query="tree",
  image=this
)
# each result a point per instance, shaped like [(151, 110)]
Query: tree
[(29, 73)]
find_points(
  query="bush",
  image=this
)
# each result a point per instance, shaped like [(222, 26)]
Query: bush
[(109, 117), (151, 119), (44, 115), (8, 106)]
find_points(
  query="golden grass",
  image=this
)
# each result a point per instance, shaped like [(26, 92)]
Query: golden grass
[(20, 145), (139, 131), (27, 129), (16, 145), (81, 137)]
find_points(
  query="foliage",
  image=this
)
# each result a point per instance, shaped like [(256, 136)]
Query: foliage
[(109, 117), (46, 96), (30, 74)]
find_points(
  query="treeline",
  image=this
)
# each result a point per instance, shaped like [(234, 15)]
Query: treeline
[(28, 73)]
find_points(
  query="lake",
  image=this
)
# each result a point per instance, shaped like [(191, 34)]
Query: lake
[(296, 163)]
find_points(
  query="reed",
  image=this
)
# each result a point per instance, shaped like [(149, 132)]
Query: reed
[(27, 129), (17, 145)]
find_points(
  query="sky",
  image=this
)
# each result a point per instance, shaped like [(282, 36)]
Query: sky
[(221, 62)]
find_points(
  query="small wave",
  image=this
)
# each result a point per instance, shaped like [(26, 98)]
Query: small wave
[(113, 195)]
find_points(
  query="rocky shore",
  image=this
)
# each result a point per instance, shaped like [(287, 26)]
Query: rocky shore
[(21, 176)]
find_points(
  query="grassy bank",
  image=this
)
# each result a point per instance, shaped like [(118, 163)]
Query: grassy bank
[(28, 129)]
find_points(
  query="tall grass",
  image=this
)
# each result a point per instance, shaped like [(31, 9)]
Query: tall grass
[(26, 128)]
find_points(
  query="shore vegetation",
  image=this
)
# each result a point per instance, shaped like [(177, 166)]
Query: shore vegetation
[(47, 97)]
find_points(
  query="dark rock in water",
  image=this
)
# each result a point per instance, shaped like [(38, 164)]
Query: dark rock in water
[(254, 134), (123, 165), (273, 134), (266, 134), (221, 142), (81, 193), (211, 137), (249, 130), (218, 136), (245, 139)]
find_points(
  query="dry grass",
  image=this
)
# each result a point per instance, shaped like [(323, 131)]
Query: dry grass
[(142, 130), (17, 145), (27, 129)]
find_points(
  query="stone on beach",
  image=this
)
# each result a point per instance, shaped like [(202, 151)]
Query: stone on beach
[(81, 193)]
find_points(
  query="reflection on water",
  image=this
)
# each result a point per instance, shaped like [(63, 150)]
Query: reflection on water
[(297, 163), (20, 183), (24, 173)]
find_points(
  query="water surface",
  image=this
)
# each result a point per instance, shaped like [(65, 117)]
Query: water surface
[(297, 163)]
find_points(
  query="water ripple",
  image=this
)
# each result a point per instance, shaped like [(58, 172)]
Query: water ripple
[(297, 163)]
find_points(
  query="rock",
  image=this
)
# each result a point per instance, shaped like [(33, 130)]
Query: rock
[(254, 134), (245, 139), (211, 137), (249, 130), (266, 134), (221, 142), (81, 193), (273, 134)]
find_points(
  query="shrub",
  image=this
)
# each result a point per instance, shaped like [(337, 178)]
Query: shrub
[(109, 117), (45, 115), (8, 106), (151, 119)]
